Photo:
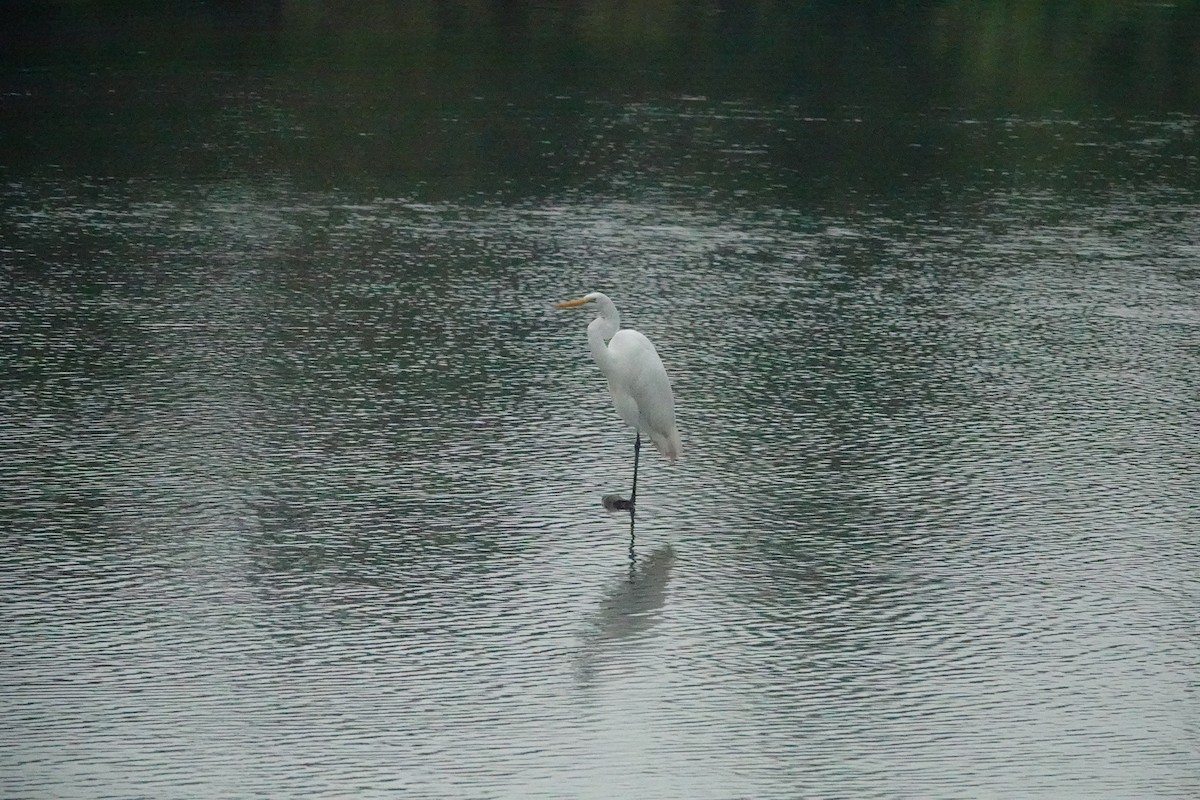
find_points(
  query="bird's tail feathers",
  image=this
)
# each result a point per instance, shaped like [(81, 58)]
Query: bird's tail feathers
[(670, 446)]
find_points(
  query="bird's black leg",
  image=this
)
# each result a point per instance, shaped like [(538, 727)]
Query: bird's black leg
[(614, 502), (637, 447)]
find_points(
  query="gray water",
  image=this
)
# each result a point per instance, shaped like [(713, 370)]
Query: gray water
[(300, 470)]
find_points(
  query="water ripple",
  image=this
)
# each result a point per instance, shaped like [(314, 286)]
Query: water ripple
[(301, 492)]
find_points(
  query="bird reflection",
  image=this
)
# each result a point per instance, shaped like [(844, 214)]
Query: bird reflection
[(614, 502), (628, 611)]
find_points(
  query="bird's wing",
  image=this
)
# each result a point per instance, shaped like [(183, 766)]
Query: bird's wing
[(639, 380)]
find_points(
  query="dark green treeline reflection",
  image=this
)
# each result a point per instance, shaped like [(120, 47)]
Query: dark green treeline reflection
[(817, 103), (1025, 54)]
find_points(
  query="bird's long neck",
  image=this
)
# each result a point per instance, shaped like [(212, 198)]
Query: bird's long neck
[(601, 329)]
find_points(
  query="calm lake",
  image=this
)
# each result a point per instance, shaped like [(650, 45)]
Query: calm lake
[(301, 471)]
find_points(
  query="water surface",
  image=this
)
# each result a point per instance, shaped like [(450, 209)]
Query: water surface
[(300, 471)]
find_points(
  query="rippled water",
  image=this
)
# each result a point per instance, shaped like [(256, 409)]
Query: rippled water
[(300, 488)]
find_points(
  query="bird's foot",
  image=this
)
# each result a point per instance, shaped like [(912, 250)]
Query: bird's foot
[(614, 502)]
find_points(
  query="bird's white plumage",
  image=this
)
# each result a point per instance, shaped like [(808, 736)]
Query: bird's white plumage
[(637, 380)]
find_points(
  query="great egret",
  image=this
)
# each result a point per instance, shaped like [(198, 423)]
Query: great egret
[(637, 380)]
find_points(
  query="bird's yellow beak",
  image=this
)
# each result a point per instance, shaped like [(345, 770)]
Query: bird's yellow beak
[(578, 301)]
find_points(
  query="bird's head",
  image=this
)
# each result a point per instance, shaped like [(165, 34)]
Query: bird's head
[(607, 321), (579, 301)]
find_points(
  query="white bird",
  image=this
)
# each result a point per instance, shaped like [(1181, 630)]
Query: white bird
[(637, 380)]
